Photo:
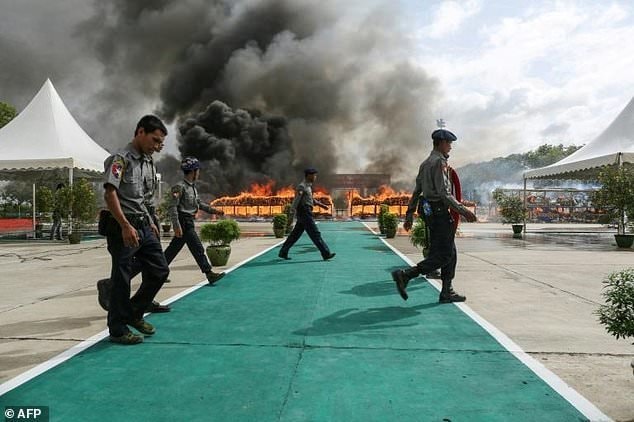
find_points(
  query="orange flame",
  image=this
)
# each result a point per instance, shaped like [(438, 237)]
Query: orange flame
[(370, 205), (264, 200)]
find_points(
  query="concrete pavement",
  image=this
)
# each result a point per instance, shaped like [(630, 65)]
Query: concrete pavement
[(541, 291)]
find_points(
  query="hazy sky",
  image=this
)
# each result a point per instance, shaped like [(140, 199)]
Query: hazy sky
[(507, 76)]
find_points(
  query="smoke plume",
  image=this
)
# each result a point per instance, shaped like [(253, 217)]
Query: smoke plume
[(261, 88)]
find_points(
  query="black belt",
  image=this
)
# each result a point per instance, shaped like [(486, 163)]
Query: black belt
[(137, 220), (185, 215)]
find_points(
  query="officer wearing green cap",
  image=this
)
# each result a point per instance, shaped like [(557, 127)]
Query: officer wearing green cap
[(432, 198)]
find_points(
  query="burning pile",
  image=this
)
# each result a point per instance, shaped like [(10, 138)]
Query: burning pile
[(369, 206), (262, 200)]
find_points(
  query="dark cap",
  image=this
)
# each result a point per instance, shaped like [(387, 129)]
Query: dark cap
[(310, 170), (443, 135)]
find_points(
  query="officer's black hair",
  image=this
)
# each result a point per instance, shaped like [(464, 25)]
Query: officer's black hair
[(437, 142), (59, 186), (150, 123)]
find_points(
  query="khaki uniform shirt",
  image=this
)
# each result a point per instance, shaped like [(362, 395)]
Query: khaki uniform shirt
[(303, 196), (185, 200), (132, 174), (434, 184)]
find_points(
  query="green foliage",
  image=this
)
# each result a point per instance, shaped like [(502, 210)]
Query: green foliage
[(7, 113), (419, 235), (617, 315), (511, 207), (546, 155), (289, 218), (221, 233), (616, 194), (162, 211), (383, 211), (508, 169), (78, 200), (280, 221), (390, 221), (44, 199)]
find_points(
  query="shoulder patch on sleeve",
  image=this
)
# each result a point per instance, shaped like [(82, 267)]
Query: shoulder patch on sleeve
[(176, 191), (117, 167)]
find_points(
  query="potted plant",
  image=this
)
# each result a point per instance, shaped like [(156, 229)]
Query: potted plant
[(219, 235), (383, 211), (44, 202), (289, 218), (79, 202), (512, 210), (390, 222), (419, 236), (279, 225), (616, 196), (163, 212), (617, 315)]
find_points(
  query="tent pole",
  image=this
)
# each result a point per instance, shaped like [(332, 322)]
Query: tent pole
[(621, 229), (70, 215), (33, 208), (524, 200)]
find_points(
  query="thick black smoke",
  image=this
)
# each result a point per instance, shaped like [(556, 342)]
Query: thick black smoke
[(339, 76), (238, 148)]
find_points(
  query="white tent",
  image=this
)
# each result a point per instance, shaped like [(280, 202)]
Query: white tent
[(45, 137), (615, 146)]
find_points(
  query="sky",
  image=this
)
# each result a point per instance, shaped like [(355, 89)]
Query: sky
[(506, 76)]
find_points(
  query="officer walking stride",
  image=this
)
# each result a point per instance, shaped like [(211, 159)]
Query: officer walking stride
[(183, 208), (433, 198), (104, 286), (302, 208), (131, 233)]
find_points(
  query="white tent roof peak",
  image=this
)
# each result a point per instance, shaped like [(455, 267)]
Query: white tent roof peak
[(613, 144), (45, 136)]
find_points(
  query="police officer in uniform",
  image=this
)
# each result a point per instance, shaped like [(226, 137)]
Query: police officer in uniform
[(302, 208), (104, 286), (131, 233), (434, 198), (184, 206)]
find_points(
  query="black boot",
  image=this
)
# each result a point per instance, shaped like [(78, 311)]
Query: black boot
[(401, 278), (448, 295)]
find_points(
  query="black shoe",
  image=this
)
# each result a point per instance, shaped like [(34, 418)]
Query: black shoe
[(157, 308), (451, 297), (128, 339), (104, 287), (212, 277), (283, 255), (434, 275), (401, 280), (142, 326), (329, 256)]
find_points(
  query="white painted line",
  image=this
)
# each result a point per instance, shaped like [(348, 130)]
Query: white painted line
[(567, 392), (78, 348), (51, 363)]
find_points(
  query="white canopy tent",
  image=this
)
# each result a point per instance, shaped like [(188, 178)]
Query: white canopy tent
[(45, 137), (615, 146)]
